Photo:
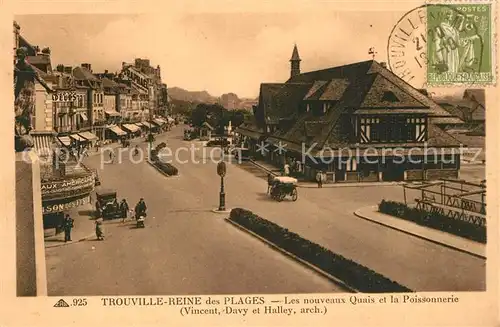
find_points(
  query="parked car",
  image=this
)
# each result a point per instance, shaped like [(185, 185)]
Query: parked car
[(108, 204)]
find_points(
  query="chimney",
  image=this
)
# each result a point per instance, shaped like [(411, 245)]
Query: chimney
[(105, 72), (68, 70), (60, 68)]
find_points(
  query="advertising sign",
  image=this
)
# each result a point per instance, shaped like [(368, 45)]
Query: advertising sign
[(58, 207), (52, 187), (64, 96)]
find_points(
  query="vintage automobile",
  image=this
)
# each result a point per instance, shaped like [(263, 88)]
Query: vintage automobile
[(107, 205), (283, 186)]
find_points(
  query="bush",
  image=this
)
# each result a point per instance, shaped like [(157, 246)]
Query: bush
[(434, 220), (357, 276), (218, 143)]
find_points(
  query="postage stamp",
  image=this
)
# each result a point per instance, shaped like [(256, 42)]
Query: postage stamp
[(459, 47)]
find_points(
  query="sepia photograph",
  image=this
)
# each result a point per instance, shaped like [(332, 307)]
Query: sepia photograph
[(163, 186), (326, 154)]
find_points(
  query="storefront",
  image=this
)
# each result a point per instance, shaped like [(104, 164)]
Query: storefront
[(113, 132), (61, 195), (132, 129)]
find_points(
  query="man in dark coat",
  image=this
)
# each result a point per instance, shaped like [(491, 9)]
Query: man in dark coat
[(140, 208), (68, 226), (124, 209)]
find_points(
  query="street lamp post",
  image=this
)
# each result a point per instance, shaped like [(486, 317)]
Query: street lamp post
[(221, 171)]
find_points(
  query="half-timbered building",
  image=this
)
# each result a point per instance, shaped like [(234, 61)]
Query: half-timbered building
[(357, 122)]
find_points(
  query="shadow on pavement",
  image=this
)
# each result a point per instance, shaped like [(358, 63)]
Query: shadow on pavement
[(265, 197)]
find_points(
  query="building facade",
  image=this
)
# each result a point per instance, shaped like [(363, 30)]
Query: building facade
[(356, 123)]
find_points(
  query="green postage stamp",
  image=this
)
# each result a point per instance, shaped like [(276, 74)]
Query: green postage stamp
[(460, 47)]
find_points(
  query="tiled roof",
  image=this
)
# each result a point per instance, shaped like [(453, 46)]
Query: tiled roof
[(478, 94), (382, 89), (334, 90), (106, 82), (364, 85), (312, 94), (83, 74), (38, 60)]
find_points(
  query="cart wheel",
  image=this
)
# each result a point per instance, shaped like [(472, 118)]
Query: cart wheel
[(281, 196), (295, 195)]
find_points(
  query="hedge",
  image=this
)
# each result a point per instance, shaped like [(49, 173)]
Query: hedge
[(353, 274), (167, 168), (434, 220), (218, 143)]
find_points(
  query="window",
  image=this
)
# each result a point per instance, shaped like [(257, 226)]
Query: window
[(389, 96)]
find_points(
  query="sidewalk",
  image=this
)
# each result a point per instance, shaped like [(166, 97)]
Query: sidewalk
[(268, 168), (83, 227), (449, 240)]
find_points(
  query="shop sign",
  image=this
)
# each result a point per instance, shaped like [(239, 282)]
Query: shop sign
[(67, 184), (59, 207), (64, 96)]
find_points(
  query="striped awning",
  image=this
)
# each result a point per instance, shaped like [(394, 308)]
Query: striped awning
[(117, 130), (77, 137), (131, 128), (88, 136), (112, 113), (158, 122), (65, 140), (43, 143)]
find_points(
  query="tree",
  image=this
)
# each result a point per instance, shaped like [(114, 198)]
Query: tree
[(199, 115)]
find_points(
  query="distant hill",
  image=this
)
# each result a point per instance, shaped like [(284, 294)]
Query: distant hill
[(191, 96), (229, 100)]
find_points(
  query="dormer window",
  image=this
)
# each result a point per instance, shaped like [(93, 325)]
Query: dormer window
[(389, 96)]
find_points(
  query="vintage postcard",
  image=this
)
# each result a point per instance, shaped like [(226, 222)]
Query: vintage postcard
[(250, 163)]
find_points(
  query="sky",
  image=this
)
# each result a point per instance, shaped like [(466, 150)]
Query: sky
[(216, 52)]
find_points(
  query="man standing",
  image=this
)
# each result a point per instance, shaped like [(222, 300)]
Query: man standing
[(124, 209), (286, 170), (140, 208), (68, 226), (319, 178)]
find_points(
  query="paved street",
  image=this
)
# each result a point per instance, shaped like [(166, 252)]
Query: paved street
[(186, 250)]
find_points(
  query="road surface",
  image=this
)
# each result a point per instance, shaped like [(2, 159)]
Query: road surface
[(203, 254)]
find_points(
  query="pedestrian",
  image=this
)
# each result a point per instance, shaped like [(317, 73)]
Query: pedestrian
[(270, 180), (68, 226), (112, 157), (124, 209), (286, 170), (319, 179)]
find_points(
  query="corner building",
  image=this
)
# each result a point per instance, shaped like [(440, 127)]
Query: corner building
[(357, 122)]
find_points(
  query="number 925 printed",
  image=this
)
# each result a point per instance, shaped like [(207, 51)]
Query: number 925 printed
[(79, 302)]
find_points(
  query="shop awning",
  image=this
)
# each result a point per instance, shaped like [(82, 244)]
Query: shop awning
[(117, 130), (43, 143), (131, 128), (88, 136), (140, 125), (112, 113), (170, 119), (158, 122), (65, 140), (162, 120), (148, 125), (77, 137), (83, 115)]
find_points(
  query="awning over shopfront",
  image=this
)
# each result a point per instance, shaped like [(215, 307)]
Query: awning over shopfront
[(88, 136), (83, 115), (158, 122), (65, 140), (146, 124), (140, 125), (131, 128), (162, 120), (112, 113), (43, 143), (170, 119), (77, 137), (117, 130)]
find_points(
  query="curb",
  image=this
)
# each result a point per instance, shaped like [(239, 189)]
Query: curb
[(359, 215), (68, 243), (216, 210), (332, 185), (159, 170), (335, 280)]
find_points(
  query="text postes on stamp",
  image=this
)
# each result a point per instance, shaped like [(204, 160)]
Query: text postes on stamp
[(407, 47), (459, 47)]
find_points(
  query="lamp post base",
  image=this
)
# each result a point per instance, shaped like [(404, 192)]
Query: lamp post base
[(225, 211)]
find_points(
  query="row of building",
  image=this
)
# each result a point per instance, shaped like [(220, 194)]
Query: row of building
[(357, 123), (77, 103)]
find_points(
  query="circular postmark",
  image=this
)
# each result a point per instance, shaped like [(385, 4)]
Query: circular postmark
[(436, 44)]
